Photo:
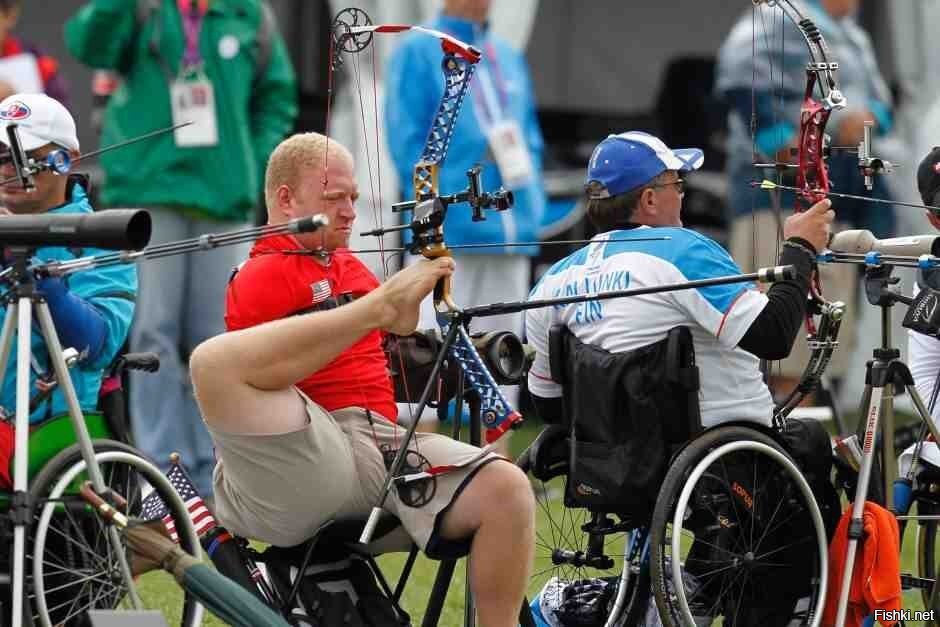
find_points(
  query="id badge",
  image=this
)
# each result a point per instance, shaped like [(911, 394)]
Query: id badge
[(511, 153), (194, 101)]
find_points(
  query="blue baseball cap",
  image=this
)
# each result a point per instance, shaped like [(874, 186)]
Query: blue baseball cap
[(626, 161)]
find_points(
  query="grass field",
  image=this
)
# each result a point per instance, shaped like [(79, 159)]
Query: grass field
[(160, 589)]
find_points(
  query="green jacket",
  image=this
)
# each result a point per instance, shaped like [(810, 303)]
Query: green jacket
[(253, 113)]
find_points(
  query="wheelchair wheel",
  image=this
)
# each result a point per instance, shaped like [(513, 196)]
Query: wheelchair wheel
[(927, 549), (927, 555), (737, 537), (594, 551), (73, 563)]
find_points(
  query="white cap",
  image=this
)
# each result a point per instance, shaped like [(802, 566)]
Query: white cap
[(40, 120)]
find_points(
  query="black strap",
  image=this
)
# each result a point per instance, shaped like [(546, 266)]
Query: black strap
[(330, 303), (557, 357), (117, 294), (264, 39)]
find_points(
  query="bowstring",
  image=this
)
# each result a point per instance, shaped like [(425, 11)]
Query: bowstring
[(777, 106), (326, 156), (378, 159), (776, 197), (375, 186), (754, 156), (329, 108), (357, 73)]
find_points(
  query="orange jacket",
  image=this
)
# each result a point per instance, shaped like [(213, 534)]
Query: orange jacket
[(876, 580)]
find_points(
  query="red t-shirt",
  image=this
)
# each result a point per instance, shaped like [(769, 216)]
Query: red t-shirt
[(272, 285)]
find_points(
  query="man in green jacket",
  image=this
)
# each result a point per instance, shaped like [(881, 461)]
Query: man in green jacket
[(222, 65)]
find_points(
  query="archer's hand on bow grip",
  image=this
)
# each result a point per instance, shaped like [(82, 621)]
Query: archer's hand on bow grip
[(813, 225), (442, 290)]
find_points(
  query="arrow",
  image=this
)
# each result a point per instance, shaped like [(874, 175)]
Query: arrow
[(771, 186)]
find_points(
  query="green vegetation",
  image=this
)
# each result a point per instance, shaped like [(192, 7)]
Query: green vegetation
[(422, 578)]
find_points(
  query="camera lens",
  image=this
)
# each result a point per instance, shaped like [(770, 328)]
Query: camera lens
[(503, 354)]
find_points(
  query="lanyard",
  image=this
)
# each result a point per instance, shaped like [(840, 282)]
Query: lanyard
[(491, 99), (191, 13)]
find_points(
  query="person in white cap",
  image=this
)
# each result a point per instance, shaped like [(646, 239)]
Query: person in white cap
[(91, 310), (635, 188), (44, 126)]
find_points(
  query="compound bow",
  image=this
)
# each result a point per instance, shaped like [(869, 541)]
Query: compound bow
[(812, 185), (352, 32)]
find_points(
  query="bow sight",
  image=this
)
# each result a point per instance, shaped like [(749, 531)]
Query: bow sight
[(868, 164), (57, 161), (429, 213)]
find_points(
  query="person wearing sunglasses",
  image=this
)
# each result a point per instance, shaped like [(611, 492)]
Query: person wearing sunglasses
[(634, 190), (644, 395), (91, 310)]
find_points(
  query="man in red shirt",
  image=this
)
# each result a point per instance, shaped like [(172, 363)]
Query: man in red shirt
[(299, 403)]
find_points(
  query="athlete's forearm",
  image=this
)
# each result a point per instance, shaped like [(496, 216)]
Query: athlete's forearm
[(773, 332)]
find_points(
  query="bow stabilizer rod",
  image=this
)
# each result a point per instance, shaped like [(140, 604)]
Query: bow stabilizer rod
[(770, 274)]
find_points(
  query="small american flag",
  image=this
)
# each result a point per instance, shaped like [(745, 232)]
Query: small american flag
[(153, 506), (321, 290)]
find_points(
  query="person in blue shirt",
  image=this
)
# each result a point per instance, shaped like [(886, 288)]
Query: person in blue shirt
[(496, 128), (92, 309), (762, 71)]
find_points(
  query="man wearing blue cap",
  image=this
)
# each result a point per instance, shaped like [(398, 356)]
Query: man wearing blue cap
[(635, 188)]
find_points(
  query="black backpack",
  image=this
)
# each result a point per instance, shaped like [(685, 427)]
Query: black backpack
[(341, 592), (809, 445), (626, 413)]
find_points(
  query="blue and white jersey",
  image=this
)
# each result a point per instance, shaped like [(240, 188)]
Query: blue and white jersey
[(718, 316)]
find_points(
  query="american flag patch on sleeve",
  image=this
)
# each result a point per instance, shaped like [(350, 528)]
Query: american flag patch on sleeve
[(321, 290)]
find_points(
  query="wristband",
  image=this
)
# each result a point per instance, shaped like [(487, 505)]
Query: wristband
[(796, 243)]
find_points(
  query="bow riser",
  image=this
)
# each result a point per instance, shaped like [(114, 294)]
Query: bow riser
[(457, 74), (813, 175), (496, 413)]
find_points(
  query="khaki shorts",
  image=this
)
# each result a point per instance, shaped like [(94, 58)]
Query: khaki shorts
[(754, 244), (280, 488)]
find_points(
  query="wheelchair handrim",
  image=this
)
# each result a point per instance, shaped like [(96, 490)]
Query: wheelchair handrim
[(683, 501), (154, 475)]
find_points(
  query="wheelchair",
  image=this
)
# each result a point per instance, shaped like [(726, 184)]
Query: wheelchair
[(72, 564), (281, 576), (717, 526)]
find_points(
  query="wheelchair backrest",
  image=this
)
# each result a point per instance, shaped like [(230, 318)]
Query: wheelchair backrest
[(625, 414), (598, 383)]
